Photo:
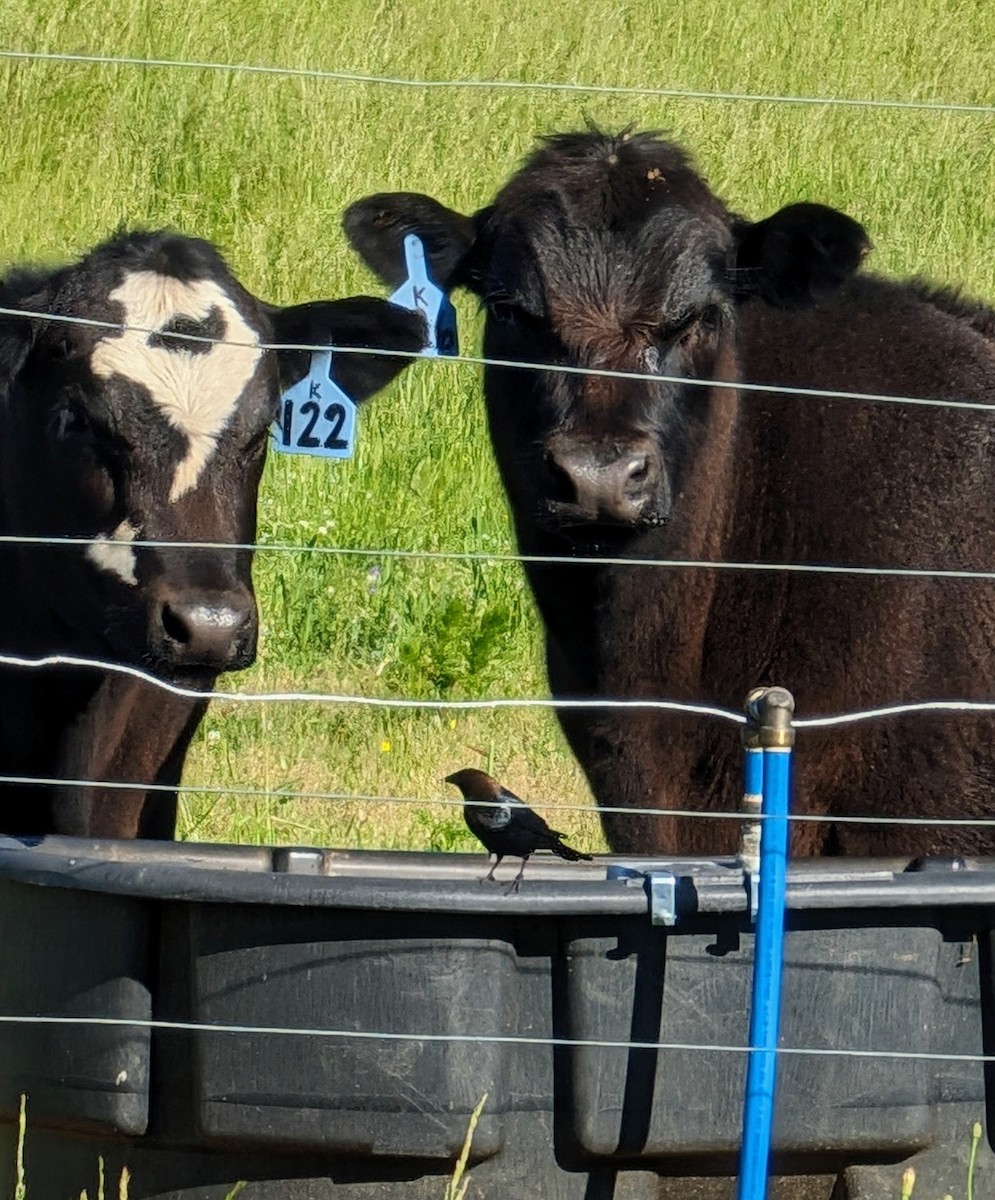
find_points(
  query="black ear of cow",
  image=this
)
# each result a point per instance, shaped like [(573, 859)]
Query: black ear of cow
[(364, 321), (376, 228), (23, 291), (798, 255), (17, 336)]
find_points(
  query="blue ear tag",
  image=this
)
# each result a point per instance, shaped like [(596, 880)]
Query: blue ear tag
[(420, 294), (316, 416)]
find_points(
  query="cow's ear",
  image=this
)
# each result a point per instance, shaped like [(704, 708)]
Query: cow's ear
[(798, 255), (376, 228), (360, 321), (18, 334)]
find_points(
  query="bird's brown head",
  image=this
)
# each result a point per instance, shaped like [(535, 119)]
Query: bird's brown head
[(472, 782)]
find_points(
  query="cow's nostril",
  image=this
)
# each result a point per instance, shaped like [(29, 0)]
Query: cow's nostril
[(175, 627), (639, 469), (563, 486), (216, 631)]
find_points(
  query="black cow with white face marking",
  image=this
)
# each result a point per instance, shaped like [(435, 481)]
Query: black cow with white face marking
[(127, 436)]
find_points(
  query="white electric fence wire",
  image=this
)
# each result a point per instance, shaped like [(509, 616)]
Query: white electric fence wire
[(498, 702), (358, 77), (480, 361), (485, 556), (485, 1039), (451, 802), (175, 689)]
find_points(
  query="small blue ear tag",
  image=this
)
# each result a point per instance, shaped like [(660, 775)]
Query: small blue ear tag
[(420, 294), (316, 416)]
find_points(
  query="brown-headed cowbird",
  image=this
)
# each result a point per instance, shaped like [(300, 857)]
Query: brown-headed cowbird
[(510, 826)]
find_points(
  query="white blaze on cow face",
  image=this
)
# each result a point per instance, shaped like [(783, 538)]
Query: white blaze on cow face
[(112, 553), (196, 391)]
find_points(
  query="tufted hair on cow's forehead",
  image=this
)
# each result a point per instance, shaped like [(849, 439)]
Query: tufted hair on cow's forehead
[(160, 251), (624, 147), (609, 179), (74, 288)]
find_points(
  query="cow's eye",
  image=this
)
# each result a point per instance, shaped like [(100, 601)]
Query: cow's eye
[(675, 329), (503, 311), (702, 322), (510, 312), (70, 421), (256, 444), (710, 318)]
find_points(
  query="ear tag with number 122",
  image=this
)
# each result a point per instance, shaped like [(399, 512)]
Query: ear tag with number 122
[(316, 416), (420, 294)]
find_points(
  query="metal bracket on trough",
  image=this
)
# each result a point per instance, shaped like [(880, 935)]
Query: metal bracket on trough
[(663, 897), (661, 889), (298, 860), (751, 882)]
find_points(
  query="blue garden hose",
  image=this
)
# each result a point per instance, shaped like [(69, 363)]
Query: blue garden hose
[(770, 711)]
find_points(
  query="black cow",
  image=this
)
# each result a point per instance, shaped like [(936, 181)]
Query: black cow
[(611, 252), (131, 436)]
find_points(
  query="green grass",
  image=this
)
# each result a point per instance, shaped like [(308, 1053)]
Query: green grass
[(456, 1187), (264, 167)]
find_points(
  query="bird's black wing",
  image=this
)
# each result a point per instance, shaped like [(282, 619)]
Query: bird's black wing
[(527, 829), (528, 826)]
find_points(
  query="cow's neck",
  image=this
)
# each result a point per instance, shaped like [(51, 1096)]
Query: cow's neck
[(665, 653), (36, 704), (588, 651)]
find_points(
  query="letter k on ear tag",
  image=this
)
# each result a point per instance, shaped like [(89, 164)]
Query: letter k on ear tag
[(316, 416), (420, 294)]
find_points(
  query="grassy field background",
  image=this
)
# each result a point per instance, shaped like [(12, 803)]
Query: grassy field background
[(264, 165)]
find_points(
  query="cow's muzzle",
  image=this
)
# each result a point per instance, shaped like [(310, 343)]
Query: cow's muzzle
[(604, 483), (212, 630)]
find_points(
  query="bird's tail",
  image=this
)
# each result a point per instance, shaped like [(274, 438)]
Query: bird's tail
[(568, 852)]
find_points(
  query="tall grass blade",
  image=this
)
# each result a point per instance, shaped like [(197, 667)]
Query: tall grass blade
[(976, 1132), (20, 1187), (457, 1186)]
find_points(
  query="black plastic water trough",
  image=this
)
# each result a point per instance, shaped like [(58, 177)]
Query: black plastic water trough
[(878, 959)]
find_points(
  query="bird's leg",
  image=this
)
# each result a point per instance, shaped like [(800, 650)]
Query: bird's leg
[(494, 867), (516, 883)]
